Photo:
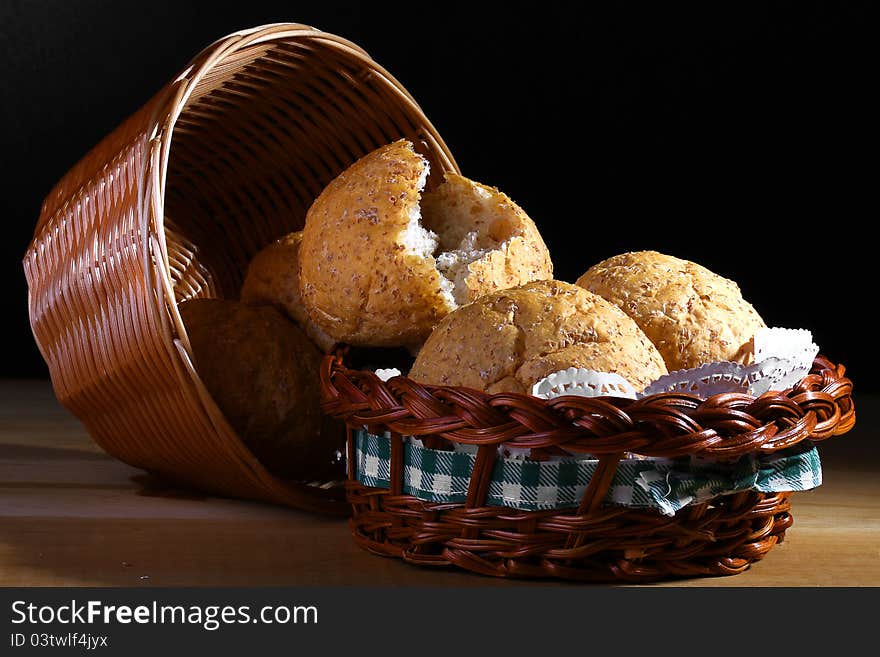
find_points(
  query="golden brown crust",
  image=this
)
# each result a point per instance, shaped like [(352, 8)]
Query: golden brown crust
[(358, 282), (459, 206), (691, 314), (370, 274), (262, 372), (273, 278), (509, 340)]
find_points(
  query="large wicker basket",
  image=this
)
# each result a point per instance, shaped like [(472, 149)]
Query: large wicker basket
[(172, 205), (594, 541)]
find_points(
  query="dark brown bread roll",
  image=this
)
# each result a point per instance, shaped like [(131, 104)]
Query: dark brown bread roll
[(262, 371)]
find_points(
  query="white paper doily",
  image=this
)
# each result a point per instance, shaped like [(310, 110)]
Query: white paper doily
[(388, 373), (782, 358), (583, 383)]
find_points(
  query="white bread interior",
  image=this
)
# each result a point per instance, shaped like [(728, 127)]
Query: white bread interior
[(461, 238)]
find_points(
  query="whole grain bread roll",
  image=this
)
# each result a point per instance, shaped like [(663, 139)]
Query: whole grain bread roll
[(372, 274), (691, 314), (509, 340), (273, 278), (263, 373)]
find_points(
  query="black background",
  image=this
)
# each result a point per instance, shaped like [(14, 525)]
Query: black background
[(737, 138)]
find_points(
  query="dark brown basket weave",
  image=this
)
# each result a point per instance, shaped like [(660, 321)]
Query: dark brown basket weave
[(593, 542), (171, 206)]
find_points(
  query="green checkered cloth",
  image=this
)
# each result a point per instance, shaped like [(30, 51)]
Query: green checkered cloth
[(665, 485)]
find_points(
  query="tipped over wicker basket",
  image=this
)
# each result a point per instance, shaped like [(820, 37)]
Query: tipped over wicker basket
[(594, 541), (171, 206)]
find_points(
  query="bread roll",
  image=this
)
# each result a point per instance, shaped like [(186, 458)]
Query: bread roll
[(372, 275), (691, 314), (273, 278), (262, 372), (509, 340)]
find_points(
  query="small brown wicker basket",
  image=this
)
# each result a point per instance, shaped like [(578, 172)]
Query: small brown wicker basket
[(593, 541), (171, 206)]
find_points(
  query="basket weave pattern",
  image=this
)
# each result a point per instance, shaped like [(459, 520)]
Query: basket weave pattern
[(594, 542), (171, 206)]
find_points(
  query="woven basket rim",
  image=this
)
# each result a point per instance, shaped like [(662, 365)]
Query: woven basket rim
[(726, 426), (162, 142)]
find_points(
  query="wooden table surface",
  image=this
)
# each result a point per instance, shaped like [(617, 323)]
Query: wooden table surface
[(72, 516)]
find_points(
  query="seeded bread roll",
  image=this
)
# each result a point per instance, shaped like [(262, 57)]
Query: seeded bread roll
[(509, 340), (369, 275), (273, 278), (263, 372), (691, 314)]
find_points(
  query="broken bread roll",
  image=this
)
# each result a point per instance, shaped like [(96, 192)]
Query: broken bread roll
[(691, 314), (381, 264), (509, 340), (273, 278), (486, 241)]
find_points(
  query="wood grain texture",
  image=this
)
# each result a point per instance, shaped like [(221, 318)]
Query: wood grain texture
[(72, 516)]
